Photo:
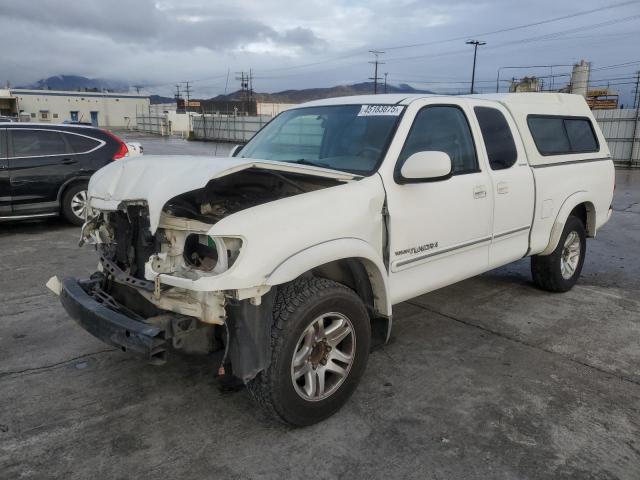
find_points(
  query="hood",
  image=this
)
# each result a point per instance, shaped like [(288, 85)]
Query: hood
[(155, 179)]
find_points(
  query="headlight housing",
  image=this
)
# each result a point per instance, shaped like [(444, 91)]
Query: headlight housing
[(210, 254)]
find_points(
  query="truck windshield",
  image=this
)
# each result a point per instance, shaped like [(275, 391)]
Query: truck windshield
[(351, 138)]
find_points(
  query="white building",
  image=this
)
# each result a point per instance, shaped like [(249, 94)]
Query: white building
[(113, 110)]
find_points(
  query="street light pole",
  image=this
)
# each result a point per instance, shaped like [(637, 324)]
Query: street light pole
[(475, 44)]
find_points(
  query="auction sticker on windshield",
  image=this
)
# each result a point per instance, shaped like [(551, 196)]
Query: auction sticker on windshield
[(371, 110)]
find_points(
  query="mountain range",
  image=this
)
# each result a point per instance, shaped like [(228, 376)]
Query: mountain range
[(307, 94), (76, 82)]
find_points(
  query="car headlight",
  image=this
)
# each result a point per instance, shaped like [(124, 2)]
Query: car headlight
[(211, 254)]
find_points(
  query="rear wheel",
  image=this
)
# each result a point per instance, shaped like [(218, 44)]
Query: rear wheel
[(559, 271), (74, 203), (320, 344)]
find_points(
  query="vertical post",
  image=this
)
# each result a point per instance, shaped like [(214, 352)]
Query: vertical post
[(375, 63), (475, 44), (473, 72), (636, 100)]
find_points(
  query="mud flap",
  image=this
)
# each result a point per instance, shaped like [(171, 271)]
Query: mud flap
[(250, 336)]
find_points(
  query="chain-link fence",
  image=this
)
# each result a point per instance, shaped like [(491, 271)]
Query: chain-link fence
[(227, 128), (157, 124)]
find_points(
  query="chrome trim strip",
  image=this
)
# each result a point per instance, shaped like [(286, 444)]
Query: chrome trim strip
[(101, 142), (509, 232), (23, 217), (573, 162), (440, 252)]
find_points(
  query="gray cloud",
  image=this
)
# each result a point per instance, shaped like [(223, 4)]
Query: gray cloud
[(160, 42)]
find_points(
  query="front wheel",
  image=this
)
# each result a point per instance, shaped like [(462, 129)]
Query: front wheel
[(559, 271), (320, 344)]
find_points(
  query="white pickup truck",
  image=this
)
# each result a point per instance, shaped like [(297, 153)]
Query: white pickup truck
[(289, 255)]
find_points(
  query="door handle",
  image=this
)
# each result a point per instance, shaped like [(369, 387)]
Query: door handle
[(479, 191), (502, 188), (68, 161)]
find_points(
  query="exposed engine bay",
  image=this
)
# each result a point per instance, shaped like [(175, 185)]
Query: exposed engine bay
[(181, 243), (248, 188), (182, 247)]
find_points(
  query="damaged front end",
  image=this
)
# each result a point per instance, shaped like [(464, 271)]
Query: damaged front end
[(146, 296)]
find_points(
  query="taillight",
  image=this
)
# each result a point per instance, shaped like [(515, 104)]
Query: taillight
[(122, 151)]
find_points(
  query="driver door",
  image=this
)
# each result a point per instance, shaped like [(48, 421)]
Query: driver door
[(440, 231)]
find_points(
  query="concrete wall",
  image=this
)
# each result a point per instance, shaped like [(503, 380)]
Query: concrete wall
[(273, 109), (618, 128), (114, 110)]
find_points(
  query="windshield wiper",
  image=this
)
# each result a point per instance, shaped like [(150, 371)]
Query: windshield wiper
[(302, 161)]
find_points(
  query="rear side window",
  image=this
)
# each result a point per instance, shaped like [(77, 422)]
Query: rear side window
[(562, 135), (501, 149), (35, 143), (80, 143), (581, 137)]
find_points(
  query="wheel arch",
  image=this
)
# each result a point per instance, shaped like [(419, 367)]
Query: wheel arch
[(350, 261), (68, 184), (579, 205)]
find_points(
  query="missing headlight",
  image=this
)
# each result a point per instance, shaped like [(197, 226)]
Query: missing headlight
[(205, 253)]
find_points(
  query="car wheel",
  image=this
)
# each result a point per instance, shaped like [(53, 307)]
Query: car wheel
[(74, 204), (559, 271), (320, 344)]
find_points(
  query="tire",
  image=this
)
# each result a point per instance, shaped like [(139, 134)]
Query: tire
[(299, 308), (70, 204), (558, 272)]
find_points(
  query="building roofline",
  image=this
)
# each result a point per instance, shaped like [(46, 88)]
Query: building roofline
[(68, 93)]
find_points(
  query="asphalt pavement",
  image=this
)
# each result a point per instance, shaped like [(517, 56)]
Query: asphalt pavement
[(489, 378)]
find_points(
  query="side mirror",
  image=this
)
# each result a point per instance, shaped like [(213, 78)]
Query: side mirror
[(426, 166), (234, 151)]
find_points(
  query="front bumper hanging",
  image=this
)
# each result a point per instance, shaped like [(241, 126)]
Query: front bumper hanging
[(86, 303)]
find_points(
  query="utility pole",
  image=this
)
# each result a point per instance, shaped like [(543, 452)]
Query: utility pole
[(244, 85), (187, 93), (375, 63), (177, 97), (636, 102), (476, 44), (385, 81)]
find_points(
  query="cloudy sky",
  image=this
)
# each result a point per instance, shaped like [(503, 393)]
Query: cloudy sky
[(313, 43)]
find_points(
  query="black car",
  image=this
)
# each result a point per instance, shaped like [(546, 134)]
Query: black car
[(45, 169)]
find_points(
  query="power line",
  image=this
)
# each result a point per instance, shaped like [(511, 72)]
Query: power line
[(519, 41), (551, 36), (518, 27)]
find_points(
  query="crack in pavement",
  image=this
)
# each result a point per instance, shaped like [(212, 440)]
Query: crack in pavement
[(28, 371), (530, 345), (627, 209)]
